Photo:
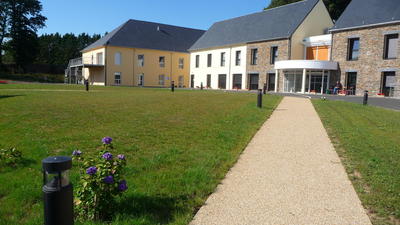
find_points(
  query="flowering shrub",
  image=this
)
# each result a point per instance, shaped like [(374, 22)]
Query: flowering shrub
[(100, 183), (10, 157)]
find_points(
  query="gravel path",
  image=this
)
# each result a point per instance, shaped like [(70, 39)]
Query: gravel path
[(288, 174)]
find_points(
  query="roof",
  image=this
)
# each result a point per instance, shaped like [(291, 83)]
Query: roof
[(360, 13), (148, 35), (276, 23)]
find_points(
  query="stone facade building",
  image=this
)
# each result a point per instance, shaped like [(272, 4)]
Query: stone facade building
[(366, 47), (263, 39), (264, 69)]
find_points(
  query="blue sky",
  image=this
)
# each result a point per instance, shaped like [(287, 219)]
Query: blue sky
[(99, 16)]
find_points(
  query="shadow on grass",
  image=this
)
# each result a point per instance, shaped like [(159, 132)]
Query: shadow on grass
[(20, 164), (156, 209), (9, 96)]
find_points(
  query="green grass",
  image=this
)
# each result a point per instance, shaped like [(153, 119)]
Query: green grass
[(178, 145), (368, 140)]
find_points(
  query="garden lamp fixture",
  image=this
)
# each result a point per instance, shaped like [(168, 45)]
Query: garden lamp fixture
[(57, 191)]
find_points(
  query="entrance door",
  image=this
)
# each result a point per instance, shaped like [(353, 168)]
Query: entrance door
[(253, 82), (192, 81), (141, 80), (351, 83), (237, 81), (388, 83), (271, 82), (222, 81)]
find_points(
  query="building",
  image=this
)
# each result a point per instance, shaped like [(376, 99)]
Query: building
[(269, 48), (139, 53), (366, 45)]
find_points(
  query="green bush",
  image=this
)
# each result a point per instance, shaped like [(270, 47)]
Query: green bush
[(10, 157), (100, 183), (33, 77)]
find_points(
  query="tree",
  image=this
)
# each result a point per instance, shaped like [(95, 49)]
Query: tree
[(335, 7), (4, 17), (23, 22), (56, 49)]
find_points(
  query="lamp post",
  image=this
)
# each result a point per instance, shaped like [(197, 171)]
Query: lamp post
[(87, 84), (57, 191), (365, 99), (259, 98)]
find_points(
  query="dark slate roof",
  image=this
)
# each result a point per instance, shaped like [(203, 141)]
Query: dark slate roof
[(368, 12), (141, 34), (275, 23)]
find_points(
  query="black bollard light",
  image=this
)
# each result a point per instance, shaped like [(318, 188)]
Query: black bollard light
[(259, 98), (57, 191), (265, 88), (172, 86), (87, 84), (201, 86), (365, 99)]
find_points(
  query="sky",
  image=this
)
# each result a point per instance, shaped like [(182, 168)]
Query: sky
[(100, 16)]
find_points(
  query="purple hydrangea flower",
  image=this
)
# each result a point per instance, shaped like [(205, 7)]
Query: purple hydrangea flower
[(122, 185), (76, 153), (108, 179), (91, 170), (106, 140), (107, 156), (121, 157)]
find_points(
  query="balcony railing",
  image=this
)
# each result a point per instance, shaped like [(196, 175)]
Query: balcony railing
[(86, 61), (75, 62)]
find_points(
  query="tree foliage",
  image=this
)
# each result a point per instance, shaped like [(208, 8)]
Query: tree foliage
[(57, 49), (19, 22), (335, 7)]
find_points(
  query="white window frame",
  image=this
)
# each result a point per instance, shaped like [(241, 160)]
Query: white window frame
[(161, 62), (99, 58), (223, 59), (238, 59), (181, 80), (140, 62), (161, 79), (117, 81), (181, 63)]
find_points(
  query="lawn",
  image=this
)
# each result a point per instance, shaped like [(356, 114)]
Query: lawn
[(178, 145), (367, 139)]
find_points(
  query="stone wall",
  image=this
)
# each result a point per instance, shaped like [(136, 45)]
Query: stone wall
[(264, 66), (370, 64)]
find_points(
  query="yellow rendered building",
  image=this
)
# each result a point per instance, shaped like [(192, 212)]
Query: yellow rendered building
[(140, 53)]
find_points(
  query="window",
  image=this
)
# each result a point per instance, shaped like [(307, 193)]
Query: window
[(238, 58), (254, 55), (208, 80), (180, 81), (197, 61), (141, 79), (140, 60), (117, 78), (222, 58), (391, 46), (99, 57), (181, 62), (354, 47), (161, 60), (209, 60), (117, 58), (161, 79), (274, 54)]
